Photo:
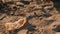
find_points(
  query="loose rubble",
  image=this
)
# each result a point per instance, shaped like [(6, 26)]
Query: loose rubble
[(29, 17)]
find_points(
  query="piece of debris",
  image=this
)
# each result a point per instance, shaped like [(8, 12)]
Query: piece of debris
[(15, 25)]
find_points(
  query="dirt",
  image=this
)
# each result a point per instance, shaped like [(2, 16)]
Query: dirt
[(42, 16)]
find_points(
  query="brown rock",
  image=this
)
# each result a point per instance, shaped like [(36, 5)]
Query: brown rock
[(22, 31)]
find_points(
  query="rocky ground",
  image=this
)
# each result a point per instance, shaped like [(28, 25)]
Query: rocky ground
[(42, 16)]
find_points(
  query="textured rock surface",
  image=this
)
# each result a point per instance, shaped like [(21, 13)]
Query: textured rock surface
[(42, 16)]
